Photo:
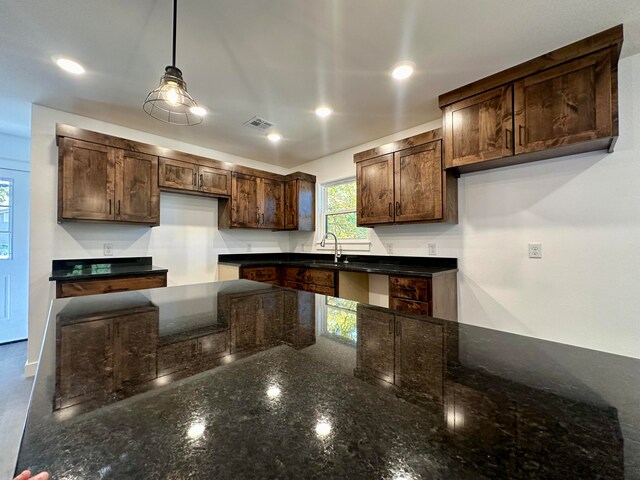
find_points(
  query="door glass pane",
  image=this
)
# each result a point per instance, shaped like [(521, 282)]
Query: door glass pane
[(6, 217)]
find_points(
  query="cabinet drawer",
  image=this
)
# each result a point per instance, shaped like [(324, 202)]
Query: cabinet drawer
[(325, 278), (320, 289), (294, 274), (259, 274), (108, 285), (410, 306), (410, 288)]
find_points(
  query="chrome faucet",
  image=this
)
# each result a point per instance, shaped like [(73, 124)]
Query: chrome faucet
[(336, 255)]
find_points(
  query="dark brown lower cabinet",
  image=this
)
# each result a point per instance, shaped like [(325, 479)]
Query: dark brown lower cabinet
[(135, 348), (78, 288), (435, 296)]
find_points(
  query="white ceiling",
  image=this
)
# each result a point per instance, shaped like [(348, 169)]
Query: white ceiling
[(279, 59)]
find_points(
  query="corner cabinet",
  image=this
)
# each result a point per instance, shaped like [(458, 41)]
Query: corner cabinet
[(404, 182), (561, 103), (103, 183)]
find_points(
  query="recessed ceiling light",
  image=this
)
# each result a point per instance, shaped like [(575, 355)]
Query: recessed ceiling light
[(274, 137), (199, 111), (69, 65), (402, 71), (323, 110)]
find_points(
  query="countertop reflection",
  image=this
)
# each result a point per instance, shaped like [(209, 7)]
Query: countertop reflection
[(246, 380)]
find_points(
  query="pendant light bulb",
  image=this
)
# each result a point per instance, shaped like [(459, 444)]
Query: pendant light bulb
[(170, 102)]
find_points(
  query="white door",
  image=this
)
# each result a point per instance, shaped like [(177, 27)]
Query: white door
[(14, 254)]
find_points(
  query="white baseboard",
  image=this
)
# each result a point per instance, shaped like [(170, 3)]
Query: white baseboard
[(30, 369)]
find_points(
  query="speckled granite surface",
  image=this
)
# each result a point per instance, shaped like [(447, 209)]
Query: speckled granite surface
[(269, 389)]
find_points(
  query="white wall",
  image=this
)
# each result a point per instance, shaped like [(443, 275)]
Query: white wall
[(187, 242), (585, 209), (14, 152)]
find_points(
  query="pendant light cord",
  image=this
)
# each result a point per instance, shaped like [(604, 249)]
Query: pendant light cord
[(175, 24)]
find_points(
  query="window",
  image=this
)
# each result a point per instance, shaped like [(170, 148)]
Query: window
[(6, 216), (340, 211)]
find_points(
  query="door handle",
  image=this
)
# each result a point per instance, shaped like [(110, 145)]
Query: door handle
[(397, 208), (118, 207), (390, 207), (109, 206), (263, 219), (390, 327), (507, 137), (201, 180), (521, 133), (194, 179)]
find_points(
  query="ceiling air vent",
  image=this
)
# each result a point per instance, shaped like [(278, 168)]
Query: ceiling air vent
[(259, 123)]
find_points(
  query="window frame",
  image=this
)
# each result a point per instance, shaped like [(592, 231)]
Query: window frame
[(9, 212), (345, 244)]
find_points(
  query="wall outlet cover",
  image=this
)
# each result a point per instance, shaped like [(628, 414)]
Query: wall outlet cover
[(535, 250), (108, 249)]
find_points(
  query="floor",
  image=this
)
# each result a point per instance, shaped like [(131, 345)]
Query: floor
[(14, 398)]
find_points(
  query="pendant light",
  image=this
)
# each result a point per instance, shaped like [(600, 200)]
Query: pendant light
[(170, 102)]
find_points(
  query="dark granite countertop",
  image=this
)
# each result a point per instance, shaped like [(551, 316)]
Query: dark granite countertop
[(244, 380), (87, 268), (389, 265)]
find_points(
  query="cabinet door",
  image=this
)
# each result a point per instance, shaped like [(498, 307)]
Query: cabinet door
[(420, 361), (137, 197), (271, 310), (409, 306), (418, 183), (84, 362), (244, 197), (213, 346), (306, 216), (479, 128), (567, 104), (178, 174), (376, 343), (214, 180), (272, 203), (176, 357), (135, 348), (374, 182), (291, 205), (86, 179)]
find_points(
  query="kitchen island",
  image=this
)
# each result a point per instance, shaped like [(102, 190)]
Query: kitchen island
[(240, 379)]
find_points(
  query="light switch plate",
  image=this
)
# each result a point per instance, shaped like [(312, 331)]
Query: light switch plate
[(108, 249), (432, 248)]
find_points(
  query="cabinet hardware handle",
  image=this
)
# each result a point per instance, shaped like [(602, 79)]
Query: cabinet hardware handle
[(397, 208), (399, 328), (109, 206), (258, 218), (194, 179), (263, 219), (390, 327), (201, 180), (118, 207), (390, 212), (507, 135), (521, 134)]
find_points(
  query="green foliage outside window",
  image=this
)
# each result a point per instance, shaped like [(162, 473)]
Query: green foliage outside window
[(340, 215)]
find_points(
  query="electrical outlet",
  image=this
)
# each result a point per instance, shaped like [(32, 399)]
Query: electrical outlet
[(432, 248), (248, 247), (108, 249), (535, 250), (389, 247)]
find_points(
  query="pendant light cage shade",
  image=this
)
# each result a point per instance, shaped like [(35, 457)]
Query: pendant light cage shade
[(170, 102)]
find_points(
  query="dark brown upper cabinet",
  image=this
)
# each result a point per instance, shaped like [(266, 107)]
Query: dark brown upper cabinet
[(102, 183), (193, 178), (404, 182), (255, 202), (561, 103), (300, 205), (107, 178)]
